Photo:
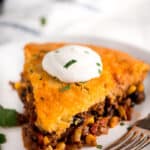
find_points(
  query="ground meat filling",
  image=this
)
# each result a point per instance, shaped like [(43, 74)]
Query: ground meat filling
[(84, 127)]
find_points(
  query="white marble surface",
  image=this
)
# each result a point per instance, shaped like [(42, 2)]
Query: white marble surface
[(121, 20)]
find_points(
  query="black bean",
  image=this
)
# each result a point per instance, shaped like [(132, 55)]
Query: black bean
[(23, 92), (138, 97), (29, 88), (34, 138)]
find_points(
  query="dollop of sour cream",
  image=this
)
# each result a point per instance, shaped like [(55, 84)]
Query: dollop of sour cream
[(73, 63)]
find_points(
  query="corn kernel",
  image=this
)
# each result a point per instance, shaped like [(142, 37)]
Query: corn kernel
[(122, 112), (77, 135), (90, 120), (46, 140), (113, 121), (49, 148), (131, 89), (90, 140), (60, 146), (17, 85), (140, 87)]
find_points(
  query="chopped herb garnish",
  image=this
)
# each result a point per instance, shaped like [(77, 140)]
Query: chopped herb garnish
[(99, 71), (67, 87), (69, 63), (129, 128), (2, 138), (8, 117), (98, 64), (122, 123), (86, 52), (99, 146), (43, 21), (77, 120)]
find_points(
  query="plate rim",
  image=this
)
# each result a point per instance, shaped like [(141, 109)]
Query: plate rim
[(99, 41), (95, 40)]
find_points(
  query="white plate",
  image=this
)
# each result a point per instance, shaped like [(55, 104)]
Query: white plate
[(11, 61)]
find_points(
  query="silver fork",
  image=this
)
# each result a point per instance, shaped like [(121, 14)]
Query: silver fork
[(136, 138)]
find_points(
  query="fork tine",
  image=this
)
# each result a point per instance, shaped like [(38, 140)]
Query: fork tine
[(140, 139), (136, 139), (129, 141), (122, 140), (143, 144)]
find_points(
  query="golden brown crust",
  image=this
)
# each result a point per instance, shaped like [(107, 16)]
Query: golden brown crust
[(55, 109)]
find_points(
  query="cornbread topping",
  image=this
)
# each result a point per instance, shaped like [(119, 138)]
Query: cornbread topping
[(71, 63)]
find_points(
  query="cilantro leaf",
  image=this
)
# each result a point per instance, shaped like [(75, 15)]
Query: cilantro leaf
[(8, 117), (43, 21), (98, 64), (67, 87), (99, 146), (2, 138), (69, 63), (122, 123)]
